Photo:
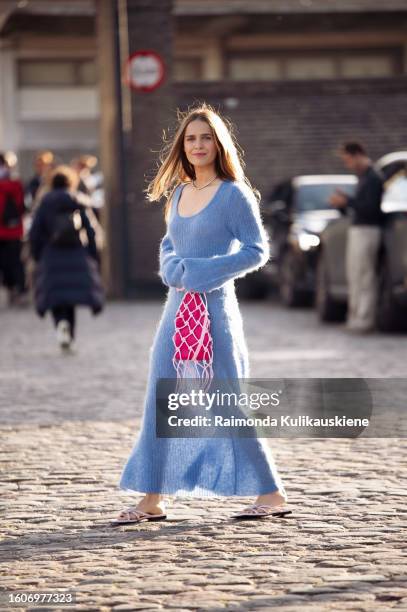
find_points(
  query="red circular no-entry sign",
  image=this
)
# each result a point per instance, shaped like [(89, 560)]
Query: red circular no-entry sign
[(144, 70)]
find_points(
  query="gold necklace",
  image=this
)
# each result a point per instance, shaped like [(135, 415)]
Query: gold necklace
[(207, 185)]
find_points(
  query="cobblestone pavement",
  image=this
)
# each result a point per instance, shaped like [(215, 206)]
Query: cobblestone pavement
[(68, 424)]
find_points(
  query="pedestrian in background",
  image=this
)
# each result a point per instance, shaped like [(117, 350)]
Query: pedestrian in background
[(89, 181), (84, 165), (364, 236), (11, 234), (63, 244), (43, 166)]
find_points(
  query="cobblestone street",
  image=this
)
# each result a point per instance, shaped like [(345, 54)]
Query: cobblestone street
[(69, 422)]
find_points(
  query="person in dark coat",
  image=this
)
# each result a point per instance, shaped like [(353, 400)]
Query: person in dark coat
[(63, 243)]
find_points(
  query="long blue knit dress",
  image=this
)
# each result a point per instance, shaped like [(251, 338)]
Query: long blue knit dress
[(205, 252)]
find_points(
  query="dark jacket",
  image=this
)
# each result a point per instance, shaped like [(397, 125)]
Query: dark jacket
[(64, 275), (32, 186), (367, 200)]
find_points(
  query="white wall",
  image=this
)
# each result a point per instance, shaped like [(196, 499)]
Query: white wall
[(66, 103), (60, 118), (9, 132)]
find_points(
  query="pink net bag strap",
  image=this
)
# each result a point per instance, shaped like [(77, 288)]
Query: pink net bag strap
[(193, 345)]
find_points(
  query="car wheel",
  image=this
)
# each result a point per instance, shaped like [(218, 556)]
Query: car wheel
[(290, 295), (390, 316), (328, 309)]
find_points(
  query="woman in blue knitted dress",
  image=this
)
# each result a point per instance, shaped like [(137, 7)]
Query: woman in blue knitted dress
[(214, 235)]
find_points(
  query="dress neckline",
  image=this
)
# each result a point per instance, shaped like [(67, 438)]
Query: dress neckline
[(202, 209)]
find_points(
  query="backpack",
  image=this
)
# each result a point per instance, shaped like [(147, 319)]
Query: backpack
[(11, 214), (66, 228)]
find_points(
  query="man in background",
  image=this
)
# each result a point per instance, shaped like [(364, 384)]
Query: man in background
[(364, 236), (43, 165)]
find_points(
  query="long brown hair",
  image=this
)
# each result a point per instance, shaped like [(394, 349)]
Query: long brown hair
[(175, 167)]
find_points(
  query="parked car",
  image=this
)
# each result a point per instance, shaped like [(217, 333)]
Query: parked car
[(295, 215), (331, 286)]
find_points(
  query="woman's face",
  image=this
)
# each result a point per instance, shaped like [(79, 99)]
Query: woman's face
[(199, 144)]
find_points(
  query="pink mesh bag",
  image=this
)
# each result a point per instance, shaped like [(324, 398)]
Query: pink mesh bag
[(193, 355)]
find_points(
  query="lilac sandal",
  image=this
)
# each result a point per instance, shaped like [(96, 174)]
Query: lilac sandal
[(259, 511), (125, 517)]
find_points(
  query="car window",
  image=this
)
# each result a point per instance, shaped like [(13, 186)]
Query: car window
[(393, 168), (315, 197)]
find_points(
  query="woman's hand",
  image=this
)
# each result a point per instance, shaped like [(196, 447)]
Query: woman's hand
[(180, 289)]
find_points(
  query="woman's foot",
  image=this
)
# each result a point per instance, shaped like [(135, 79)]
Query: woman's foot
[(271, 499), (152, 503), (267, 505)]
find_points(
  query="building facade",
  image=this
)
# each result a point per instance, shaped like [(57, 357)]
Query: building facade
[(49, 94), (295, 77)]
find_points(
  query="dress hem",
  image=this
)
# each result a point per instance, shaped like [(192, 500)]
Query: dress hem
[(202, 493)]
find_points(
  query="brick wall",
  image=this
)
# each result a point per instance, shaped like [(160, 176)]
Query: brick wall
[(284, 128), (216, 7), (292, 128)]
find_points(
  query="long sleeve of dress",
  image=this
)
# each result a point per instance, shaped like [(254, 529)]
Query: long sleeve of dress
[(171, 267), (244, 221)]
